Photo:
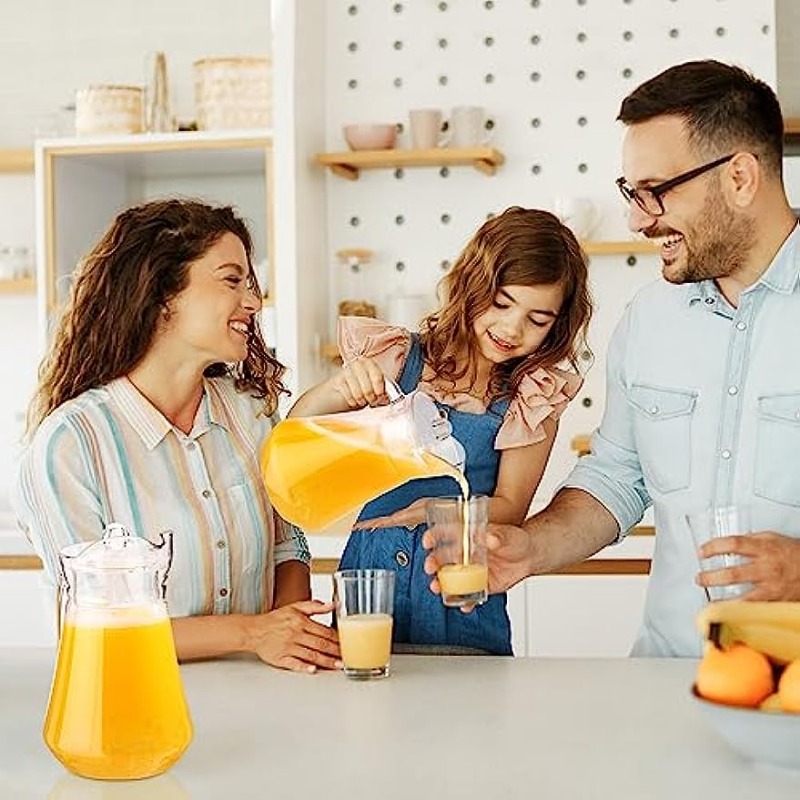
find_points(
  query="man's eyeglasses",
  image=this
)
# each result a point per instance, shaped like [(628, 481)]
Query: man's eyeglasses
[(649, 198)]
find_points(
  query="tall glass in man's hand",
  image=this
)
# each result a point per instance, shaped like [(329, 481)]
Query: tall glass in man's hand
[(364, 600), (715, 522), (458, 528)]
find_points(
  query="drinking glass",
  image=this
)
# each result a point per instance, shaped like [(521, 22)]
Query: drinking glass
[(364, 601), (458, 528), (714, 522)]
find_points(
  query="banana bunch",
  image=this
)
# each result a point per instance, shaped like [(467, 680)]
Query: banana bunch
[(772, 628)]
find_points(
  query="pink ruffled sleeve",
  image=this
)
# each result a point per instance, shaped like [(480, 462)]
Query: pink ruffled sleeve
[(365, 336), (542, 394)]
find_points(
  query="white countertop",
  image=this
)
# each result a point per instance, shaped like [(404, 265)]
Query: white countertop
[(528, 728)]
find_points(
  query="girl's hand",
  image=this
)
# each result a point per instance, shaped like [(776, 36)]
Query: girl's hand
[(288, 638), (408, 517), (361, 383)]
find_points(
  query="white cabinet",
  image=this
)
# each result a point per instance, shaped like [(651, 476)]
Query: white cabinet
[(27, 620), (589, 616), (82, 183)]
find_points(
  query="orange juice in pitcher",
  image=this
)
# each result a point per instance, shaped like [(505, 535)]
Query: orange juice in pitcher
[(117, 709), (321, 469), (108, 717)]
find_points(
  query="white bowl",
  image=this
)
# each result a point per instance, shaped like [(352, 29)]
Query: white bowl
[(370, 136), (769, 737)]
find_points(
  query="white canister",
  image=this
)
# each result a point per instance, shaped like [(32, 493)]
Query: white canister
[(407, 310), (109, 109)]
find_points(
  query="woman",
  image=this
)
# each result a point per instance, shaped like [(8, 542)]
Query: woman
[(151, 407)]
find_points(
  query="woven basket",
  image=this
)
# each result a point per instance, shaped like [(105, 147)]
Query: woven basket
[(109, 108), (232, 92)]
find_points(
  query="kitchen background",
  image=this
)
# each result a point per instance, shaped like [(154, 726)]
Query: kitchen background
[(550, 74)]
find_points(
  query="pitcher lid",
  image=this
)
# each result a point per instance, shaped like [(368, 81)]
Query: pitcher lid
[(117, 549)]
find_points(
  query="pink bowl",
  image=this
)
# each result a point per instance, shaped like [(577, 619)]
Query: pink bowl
[(370, 137)]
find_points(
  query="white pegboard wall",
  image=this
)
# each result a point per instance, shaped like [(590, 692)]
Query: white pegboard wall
[(551, 75), (551, 79)]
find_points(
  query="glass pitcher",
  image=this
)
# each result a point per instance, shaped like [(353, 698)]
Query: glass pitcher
[(322, 469), (117, 709)]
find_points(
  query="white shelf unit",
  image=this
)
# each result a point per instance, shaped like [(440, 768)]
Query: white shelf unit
[(81, 184)]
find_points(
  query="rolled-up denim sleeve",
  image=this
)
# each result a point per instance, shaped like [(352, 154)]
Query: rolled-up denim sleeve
[(612, 473)]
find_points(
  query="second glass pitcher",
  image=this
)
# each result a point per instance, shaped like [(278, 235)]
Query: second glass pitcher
[(117, 710), (319, 470)]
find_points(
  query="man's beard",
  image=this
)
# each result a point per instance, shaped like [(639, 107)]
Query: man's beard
[(717, 246)]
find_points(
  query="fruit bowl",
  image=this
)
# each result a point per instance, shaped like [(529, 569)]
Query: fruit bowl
[(765, 737), (370, 136)]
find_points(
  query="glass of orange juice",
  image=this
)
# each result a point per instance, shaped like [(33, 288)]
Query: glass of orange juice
[(364, 601), (458, 527)]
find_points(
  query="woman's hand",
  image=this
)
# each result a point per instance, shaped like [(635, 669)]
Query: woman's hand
[(408, 517), (288, 638), (361, 383)]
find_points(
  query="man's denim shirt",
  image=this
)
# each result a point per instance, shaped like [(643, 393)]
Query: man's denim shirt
[(702, 408)]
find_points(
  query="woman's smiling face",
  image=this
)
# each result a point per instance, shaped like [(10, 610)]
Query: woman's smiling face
[(211, 317)]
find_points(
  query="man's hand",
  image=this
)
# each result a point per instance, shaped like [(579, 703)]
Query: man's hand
[(773, 566), (509, 551)]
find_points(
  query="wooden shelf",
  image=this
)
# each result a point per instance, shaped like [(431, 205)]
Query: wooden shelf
[(17, 160), (347, 165), (580, 444), (330, 351), (18, 286), (633, 247), (791, 136)]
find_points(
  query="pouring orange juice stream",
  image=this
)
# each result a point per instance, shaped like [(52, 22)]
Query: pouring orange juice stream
[(320, 470)]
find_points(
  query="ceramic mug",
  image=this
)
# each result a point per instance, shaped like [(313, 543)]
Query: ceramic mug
[(467, 127), (425, 128), (580, 214)]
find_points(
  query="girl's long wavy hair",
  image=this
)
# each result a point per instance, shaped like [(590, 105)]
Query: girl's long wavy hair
[(121, 293), (520, 247)]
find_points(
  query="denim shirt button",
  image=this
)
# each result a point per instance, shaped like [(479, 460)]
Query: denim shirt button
[(654, 410), (726, 454), (401, 557), (741, 326)]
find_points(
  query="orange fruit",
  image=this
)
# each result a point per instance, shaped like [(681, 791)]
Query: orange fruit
[(736, 676), (789, 687)]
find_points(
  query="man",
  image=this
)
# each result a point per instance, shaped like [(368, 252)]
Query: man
[(703, 392)]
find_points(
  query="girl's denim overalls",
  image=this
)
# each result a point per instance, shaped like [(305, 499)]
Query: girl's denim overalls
[(420, 618)]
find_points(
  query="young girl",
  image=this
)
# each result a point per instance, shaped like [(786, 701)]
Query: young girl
[(515, 306), (152, 405)]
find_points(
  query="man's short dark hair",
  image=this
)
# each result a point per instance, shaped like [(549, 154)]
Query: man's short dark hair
[(725, 109)]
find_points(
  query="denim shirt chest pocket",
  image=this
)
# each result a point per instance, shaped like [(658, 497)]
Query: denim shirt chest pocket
[(776, 476), (662, 424)]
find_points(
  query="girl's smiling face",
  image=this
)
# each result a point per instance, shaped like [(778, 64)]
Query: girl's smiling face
[(518, 321)]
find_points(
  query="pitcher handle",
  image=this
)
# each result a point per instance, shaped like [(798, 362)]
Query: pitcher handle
[(393, 391)]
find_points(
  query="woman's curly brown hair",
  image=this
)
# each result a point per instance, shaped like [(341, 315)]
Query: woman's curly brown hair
[(121, 290), (520, 247)]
